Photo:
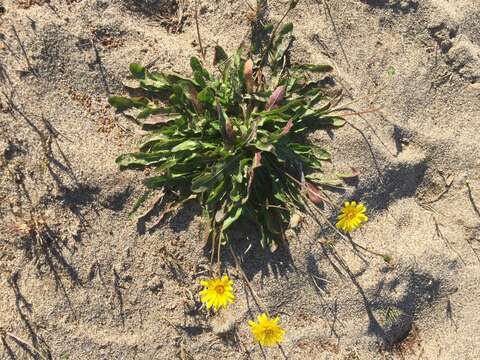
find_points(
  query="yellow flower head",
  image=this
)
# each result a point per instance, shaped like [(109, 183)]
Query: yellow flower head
[(266, 331), (217, 292), (352, 216)]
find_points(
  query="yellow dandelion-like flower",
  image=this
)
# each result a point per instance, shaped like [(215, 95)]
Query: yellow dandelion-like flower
[(266, 331), (352, 216), (217, 292)]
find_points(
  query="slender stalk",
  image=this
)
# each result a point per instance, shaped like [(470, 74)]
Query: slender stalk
[(259, 302), (360, 112), (202, 51), (27, 344), (323, 196)]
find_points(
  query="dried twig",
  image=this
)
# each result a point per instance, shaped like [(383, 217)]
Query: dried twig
[(202, 51), (439, 233), (259, 302), (448, 184), (365, 97), (26, 343), (472, 200), (322, 195), (360, 112), (333, 227)]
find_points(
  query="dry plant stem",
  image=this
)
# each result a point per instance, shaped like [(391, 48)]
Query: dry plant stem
[(439, 233), (202, 51), (259, 302), (27, 344), (213, 250), (354, 244), (347, 238), (360, 99), (439, 196), (218, 254), (175, 327), (249, 5), (472, 200), (328, 12), (322, 195), (360, 112)]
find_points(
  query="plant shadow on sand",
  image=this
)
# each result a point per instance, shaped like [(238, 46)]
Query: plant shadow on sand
[(422, 288), (37, 348), (390, 321), (41, 237), (396, 5)]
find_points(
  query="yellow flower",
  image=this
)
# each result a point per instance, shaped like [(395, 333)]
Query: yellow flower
[(352, 216), (267, 331), (217, 292)]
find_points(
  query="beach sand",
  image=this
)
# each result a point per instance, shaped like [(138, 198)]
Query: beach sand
[(97, 285)]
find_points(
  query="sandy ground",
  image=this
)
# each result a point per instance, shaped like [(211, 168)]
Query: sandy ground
[(95, 285)]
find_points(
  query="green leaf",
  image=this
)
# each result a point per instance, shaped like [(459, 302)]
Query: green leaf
[(189, 145), (264, 146), (349, 175), (391, 71), (206, 96), (157, 181), (232, 218), (140, 160), (287, 28), (137, 70), (120, 103), (321, 154), (200, 74), (203, 183), (225, 124), (139, 202), (166, 180), (217, 192), (283, 109), (220, 55), (336, 121), (323, 180), (321, 68)]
